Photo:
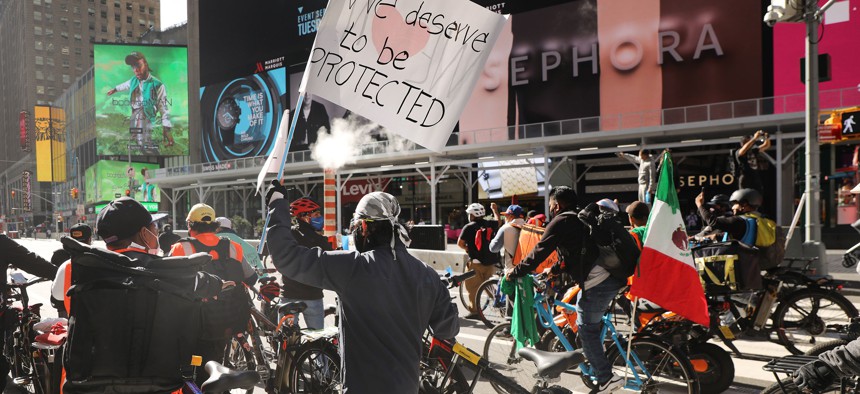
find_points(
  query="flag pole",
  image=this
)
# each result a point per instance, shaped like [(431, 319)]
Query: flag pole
[(280, 170)]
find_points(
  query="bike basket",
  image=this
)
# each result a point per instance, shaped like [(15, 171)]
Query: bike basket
[(728, 267)]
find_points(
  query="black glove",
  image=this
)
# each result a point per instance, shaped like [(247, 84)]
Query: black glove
[(815, 376), (276, 192), (269, 291)]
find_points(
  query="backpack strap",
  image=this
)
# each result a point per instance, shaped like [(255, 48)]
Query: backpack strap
[(224, 249), (752, 226)]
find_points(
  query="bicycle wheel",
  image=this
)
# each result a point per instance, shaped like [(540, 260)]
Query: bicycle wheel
[(550, 342), (660, 368), (790, 388), (713, 366), (809, 317), (500, 382), (825, 347), (464, 296), (434, 366), (316, 369), (241, 359), (500, 350), (492, 304)]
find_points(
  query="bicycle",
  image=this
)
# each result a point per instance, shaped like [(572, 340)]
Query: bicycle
[(33, 365), (307, 360), (787, 365), (549, 367), (221, 379), (492, 304), (653, 363), (246, 350)]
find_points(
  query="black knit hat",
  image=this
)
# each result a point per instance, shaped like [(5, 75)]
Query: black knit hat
[(121, 219)]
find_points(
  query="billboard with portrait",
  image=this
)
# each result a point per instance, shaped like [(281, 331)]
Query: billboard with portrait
[(240, 117), (141, 100), (110, 179)]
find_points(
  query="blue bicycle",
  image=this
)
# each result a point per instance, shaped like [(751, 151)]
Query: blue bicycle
[(653, 365)]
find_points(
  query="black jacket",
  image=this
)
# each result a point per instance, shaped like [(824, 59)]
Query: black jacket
[(736, 226), (306, 236), (13, 253), (386, 305), (565, 233)]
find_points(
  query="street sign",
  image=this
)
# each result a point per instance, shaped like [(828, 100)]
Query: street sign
[(828, 133)]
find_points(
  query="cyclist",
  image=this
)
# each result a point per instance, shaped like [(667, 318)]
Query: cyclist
[(841, 362), (475, 240), (743, 201), (229, 314), (388, 297), (718, 207), (81, 232), (128, 228), (13, 253), (565, 233), (509, 235), (308, 221)]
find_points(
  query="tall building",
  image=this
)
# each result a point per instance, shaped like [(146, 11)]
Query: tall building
[(46, 46)]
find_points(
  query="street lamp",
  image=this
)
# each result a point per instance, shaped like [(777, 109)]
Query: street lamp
[(785, 11)]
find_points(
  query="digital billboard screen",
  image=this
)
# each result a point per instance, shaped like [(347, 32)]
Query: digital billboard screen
[(141, 100), (109, 179)]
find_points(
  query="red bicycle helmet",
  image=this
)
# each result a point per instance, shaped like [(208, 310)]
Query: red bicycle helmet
[(302, 206)]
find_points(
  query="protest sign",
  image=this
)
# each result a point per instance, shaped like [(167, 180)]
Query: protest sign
[(409, 65)]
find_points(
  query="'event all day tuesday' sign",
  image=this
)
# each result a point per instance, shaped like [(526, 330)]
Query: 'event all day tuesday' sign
[(409, 65)]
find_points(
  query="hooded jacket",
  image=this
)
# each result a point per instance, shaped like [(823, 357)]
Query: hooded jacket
[(386, 305)]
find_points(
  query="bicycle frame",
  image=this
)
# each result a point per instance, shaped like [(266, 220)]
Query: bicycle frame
[(546, 320)]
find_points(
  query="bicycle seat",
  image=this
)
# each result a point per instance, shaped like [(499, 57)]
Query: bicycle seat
[(291, 308), (223, 379), (551, 364)]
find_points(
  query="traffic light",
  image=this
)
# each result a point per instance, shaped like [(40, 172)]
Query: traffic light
[(127, 193), (13, 194), (74, 193)]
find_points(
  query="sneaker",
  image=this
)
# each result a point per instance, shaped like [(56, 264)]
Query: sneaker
[(472, 316), (614, 384)]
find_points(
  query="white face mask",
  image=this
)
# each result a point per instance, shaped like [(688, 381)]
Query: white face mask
[(157, 249)]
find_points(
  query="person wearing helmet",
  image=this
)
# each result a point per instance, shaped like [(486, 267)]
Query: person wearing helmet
[(718, 207), (388, 298), (475, 240), (742, 201), (229, 314), (308, 221)]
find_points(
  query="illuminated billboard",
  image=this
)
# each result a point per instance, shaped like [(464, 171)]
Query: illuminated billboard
[(240, 117), (50, 134), (108, 179), (141, 100)]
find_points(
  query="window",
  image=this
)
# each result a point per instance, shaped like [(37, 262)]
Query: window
[(49, 61), (77, 24), (49, 32), (77, 37), (92, 26), (40, 89), (151, 11), (51, 77), (40, 60), (116, 17), (128, 6), (128, 33), (65, 51), (40, 75), (117, 31), (103, 2), (104, 14), (91, 11), (37, 30), (65, 64), (128, 19), (66, 78), (39, 46), (64, 35), (104, 28), (37, 15), (37, 2), (78, 51), (142, 8), (76, 10), (64, 20)]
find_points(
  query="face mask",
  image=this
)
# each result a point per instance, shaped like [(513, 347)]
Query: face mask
[(317, 223), (157, 249)]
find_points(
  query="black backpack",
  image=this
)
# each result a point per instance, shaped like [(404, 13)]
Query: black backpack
[(618, 252), (228, 314), (483, 237), (132, 322)]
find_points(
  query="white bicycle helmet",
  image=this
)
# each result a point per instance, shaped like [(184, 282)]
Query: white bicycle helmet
[(476, 210)]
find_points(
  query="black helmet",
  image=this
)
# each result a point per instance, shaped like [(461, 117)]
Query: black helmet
[(750, 196), (719, 199)]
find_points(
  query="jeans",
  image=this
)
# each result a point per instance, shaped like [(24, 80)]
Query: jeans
[(314, 315), (591, 304)]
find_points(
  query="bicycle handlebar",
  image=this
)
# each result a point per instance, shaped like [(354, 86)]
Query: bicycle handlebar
[(28, 283), (456, 280)]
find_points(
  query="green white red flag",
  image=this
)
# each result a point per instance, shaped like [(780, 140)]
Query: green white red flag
[(667, 274)]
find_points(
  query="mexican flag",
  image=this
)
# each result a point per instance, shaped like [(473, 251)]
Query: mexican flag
[(667, 274)]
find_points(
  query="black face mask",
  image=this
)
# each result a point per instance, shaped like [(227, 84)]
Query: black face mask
[(360, 241)]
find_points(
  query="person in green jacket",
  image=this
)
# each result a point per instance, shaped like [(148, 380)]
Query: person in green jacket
[(225, 229)]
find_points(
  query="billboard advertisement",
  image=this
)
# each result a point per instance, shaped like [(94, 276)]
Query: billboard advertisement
[(50, 134), (109, 179), (240, 117), (838, 39), (141, 100)]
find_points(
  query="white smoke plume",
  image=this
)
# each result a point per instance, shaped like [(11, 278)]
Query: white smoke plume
[(343, 144)]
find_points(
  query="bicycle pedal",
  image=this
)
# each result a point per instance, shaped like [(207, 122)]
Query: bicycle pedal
[(21, 381), (263, 371)]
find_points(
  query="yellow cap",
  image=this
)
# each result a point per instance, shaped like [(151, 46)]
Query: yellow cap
[(201, 213), (196, 361)]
